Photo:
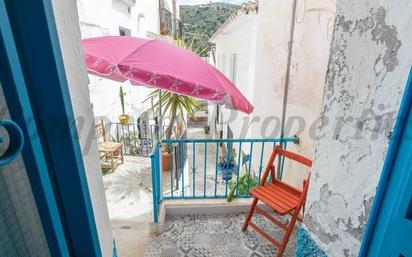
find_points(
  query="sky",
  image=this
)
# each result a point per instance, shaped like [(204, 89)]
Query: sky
[(193, 2)]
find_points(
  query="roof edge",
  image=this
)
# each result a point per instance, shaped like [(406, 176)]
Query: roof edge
[(249, 7)]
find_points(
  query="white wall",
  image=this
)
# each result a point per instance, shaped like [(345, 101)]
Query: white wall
[(369, 63), (104, 17), (237, 38), (264, 70), (312, 37), (69, 36)]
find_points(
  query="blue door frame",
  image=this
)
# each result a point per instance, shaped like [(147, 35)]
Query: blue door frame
[(34, 82), (389, 229)]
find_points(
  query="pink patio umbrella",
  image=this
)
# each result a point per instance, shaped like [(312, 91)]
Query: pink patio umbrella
[(162, 65)]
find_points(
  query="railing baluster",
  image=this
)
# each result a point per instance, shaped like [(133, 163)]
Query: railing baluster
[(172, 184), (283, 161), (250, 166), (155, 163), (238, 167), (204, 176), (217, 156), (135, 137), (129, 138), (261, 161), (194, 169), (117, 133), (123, 139), (182, 170), (276, 171), (158, 174)]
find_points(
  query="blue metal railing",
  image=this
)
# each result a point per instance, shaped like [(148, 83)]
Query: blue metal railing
[(211, 168), (136, 138)]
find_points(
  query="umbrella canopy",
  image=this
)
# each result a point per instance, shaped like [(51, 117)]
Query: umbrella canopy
[(159, 64)]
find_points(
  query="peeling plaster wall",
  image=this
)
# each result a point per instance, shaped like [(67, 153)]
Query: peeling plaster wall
[(369, 62)]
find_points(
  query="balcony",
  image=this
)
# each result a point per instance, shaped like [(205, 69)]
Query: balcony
[(200, 203)]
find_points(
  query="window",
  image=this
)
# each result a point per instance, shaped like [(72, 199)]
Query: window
[(124, 31), (166, 25), (233, 64)]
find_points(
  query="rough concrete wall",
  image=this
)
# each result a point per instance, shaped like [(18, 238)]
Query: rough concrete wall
[(369, 62), (65, 13)]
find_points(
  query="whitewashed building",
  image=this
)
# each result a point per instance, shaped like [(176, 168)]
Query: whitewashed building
[(235, 56), (143, 18), (252, 49)]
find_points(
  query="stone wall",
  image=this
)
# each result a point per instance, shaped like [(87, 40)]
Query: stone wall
[(370, 58)]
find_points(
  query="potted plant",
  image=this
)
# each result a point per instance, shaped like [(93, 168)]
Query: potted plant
[(124, 118), (227, 164), (173, 105), (245, 181)]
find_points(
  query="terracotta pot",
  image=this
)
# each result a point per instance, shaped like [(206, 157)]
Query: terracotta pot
[(124, 119), (166, 161)]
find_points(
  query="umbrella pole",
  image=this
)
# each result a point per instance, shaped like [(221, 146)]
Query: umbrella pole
[(160, 134)]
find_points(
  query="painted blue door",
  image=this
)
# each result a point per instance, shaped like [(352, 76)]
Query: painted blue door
[(394, 233), (33, 80), (390, 229)]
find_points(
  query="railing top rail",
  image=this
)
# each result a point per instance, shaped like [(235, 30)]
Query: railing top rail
[(232, 140)]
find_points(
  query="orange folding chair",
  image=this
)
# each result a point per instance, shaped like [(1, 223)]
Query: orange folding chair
[(281, 197)]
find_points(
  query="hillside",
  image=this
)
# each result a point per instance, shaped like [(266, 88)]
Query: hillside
[(201, 21)]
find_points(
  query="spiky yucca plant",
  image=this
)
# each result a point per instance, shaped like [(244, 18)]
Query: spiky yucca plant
[(174, 105)]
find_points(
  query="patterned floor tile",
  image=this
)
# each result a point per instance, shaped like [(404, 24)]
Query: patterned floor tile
[(215, 236)]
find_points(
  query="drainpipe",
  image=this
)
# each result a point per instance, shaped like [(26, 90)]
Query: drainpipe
[(287, 79)]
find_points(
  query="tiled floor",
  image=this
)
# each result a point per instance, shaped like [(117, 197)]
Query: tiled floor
[(214, 236)]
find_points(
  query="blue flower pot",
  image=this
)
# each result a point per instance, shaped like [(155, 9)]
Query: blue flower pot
[(226, 170)]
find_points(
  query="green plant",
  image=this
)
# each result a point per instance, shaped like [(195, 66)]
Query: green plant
[(202, 21), (105, 170), (174, 105), (245, 179), (121, 95), (129, 140)]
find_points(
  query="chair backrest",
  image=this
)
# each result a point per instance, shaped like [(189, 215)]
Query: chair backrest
[(100, 132), (277, 151)]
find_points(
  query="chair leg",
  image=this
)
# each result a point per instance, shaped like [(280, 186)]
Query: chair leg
[(250, 214), (288, 233)]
